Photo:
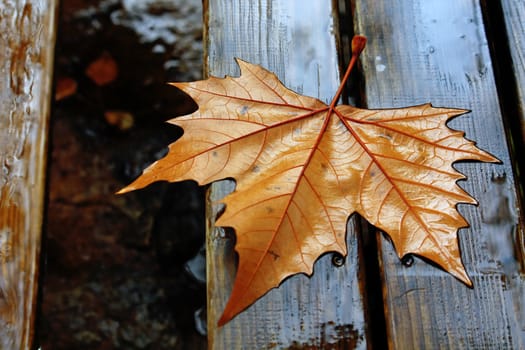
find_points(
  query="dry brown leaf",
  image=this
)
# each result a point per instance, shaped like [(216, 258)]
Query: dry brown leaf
[(303, 167)]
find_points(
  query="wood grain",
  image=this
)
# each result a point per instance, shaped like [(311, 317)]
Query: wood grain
[(514, 17), (298, 43), (435, 51), (27, 37)]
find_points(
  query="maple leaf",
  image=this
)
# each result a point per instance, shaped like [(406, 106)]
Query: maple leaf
[(303, 167)]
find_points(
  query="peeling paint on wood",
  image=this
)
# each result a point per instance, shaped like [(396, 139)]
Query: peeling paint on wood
[(27, 36)]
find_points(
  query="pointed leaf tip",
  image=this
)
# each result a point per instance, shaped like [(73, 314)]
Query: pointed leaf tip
[(123, 190), (461, 274), (127, 188), (223, 320)]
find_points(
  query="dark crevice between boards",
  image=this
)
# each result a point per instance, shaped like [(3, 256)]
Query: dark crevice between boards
[(512, 112), (346, 32), (42, 265), (371, 283), (370, 277)]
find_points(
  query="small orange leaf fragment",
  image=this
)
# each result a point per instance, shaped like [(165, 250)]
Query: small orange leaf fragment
[(65, 87), (121, 119), (103, 70), (303, 167)]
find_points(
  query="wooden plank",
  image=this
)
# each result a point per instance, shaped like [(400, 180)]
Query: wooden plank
[(298, 43), (27, 36), (514, 17), (435, 51)]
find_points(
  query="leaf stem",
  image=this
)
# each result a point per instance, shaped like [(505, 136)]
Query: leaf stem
[(358, 45)]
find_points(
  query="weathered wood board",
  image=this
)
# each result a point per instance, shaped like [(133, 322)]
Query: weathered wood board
[(297, 42), (27, 37), (514, 17), (436, 51)]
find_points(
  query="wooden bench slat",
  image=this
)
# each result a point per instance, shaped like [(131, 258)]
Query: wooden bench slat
[(514, 16), (435, 51), (297, 41), (27, 37)]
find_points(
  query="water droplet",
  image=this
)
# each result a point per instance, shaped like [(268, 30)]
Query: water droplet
[(158, 48), (338, 260), (171, 64), (244, 110), (201, 321), (407, 260), (431, 49), (196, 266)]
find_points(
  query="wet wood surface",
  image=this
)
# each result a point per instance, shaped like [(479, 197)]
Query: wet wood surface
[(436, 51), (514, 17), (27, 36), (298, 43)]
